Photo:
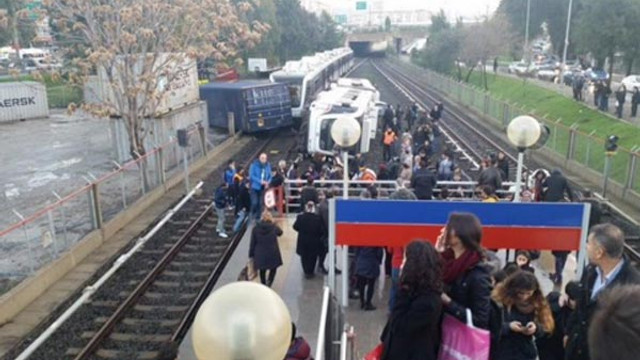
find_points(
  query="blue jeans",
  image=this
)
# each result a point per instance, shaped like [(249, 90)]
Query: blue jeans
[(256, 203), (395, 283)]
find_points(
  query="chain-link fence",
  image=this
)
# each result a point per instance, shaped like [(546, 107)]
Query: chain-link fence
[(36, 241), (568, 141)]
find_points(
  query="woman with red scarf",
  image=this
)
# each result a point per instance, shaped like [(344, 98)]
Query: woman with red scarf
[(466, 275)]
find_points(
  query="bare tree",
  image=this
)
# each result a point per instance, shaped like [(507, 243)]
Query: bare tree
[(483, 42), (141, 49)]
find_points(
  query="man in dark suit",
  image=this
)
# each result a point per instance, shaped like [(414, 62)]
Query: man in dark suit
[(608, 269)]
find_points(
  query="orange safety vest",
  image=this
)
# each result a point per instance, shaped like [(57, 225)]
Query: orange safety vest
[(389, 137)]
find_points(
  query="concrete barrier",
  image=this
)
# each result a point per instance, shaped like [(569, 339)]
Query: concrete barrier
[(19, 297)]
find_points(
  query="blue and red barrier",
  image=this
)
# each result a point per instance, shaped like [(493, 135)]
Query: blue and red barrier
[(536, 226)]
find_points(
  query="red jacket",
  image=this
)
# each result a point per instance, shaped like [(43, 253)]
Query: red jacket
[(397, 256), (299, 350)]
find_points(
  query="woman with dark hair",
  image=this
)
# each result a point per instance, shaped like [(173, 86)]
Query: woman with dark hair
[(412, 332), (466, 276), (264, 249), (527, 316)]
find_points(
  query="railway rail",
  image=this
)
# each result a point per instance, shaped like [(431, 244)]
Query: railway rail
[(151, 301), (475, 140)]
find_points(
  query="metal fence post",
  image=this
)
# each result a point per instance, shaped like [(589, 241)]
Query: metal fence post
[(571, 145), (96, 211), (203, 139), (52, 228), (26, 239), (64, 219), (160, 159), (633, 163)]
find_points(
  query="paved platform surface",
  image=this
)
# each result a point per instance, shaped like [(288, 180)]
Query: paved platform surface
[(303, 296), (11, 333)]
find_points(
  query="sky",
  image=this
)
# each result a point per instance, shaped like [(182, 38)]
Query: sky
[(453, 8)]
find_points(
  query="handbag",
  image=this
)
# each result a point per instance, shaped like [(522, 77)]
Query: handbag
[(375, 354), (463, 341)]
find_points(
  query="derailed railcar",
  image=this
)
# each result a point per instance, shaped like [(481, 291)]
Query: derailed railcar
[(256, 105)]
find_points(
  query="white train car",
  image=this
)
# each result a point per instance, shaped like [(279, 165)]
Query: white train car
[(348, 97), (312, 74)]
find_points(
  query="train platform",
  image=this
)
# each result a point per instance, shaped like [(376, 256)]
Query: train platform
[(303, 297)]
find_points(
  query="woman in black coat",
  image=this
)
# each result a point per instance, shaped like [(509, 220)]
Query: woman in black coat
[(264, 249), (311, 232), (466, 275), (368, 260), (412, 332)]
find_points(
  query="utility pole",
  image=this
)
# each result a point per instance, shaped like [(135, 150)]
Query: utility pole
[(566, 37), (526, 30)]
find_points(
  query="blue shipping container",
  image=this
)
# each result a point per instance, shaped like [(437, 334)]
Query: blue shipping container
[(256, 105)]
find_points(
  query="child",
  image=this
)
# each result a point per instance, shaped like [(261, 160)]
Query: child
[(523, 261), (220, 203), (551, 347), (527, 316), (299, 348)]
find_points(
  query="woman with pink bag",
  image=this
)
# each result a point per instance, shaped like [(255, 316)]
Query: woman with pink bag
[(466, 275)]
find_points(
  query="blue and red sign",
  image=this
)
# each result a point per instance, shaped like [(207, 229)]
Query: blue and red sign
[(540, 226)]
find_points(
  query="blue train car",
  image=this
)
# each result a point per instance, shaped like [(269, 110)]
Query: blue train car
[(257, 105)]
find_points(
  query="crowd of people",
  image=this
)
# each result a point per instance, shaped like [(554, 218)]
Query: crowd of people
[(457, 275)]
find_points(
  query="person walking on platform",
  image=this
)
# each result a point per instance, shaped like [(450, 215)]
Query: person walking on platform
[(264, 249), (466, 276), (557, 185), (323, 211), (368, 260), (388, 140), (526, 316), (412, 331), (260, 176), (608, 269), (388, 116), (446, 166), (423, 182), (220, 204), (635, 100), (311, 231)]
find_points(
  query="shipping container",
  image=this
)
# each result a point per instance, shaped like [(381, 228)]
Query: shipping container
[(179, 85), (161, 129), (256, 105), (22, 101)]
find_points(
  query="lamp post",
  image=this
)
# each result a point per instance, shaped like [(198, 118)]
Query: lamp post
[(566, 38), (526, 29), (345, 132), (525, 132), (610, 148)]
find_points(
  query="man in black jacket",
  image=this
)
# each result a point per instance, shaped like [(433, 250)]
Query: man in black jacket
[(608, 269), (491, 176), (556, 185), (423, 181)]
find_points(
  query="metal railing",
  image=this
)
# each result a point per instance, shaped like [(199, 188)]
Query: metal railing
[(330, 328), (43, 237), (458, 190), (567, 141)]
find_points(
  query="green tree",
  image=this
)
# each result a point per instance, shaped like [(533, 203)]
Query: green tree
[(331, 37), (264, 11), (443, 46), (439, 22), (387, 24), (601, 28), (17, 25)]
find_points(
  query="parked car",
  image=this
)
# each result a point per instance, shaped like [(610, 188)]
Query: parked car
[(521, 68), (631, 81), (547, 74), (596, 75)]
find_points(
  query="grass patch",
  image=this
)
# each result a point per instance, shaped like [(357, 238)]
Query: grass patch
[(542, 102), (59, 92)]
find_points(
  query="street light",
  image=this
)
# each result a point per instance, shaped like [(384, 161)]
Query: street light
[(345, 132), (525, 132), (566, 38)]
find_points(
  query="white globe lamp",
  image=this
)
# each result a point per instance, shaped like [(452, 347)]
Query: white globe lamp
[(242, 320)]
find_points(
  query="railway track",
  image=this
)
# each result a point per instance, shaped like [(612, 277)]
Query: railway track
[(151, 301), (473, 137)]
